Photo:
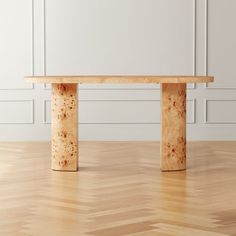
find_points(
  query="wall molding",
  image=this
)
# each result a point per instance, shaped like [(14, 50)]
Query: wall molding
[(193, 111), (206, 121), (206, 48), (44, 40), (32, 110), (32, 56), (194, 38), (45, 111)]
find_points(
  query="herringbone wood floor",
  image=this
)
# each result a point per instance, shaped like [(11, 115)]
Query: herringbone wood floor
[(119, 190)]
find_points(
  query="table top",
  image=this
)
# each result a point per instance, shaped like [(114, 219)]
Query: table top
[(118, 79)]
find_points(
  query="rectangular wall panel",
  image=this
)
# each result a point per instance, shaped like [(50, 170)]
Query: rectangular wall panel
[(115, 112), (119, 37), (120, 112), (220, 43), (16, 43), (17, 112), (220, 111)]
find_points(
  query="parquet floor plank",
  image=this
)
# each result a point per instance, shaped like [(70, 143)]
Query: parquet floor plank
[(119, 190)]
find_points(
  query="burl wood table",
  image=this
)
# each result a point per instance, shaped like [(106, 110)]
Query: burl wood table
[(64, 116)]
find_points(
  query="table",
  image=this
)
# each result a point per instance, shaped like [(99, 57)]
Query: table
[(64, 107)]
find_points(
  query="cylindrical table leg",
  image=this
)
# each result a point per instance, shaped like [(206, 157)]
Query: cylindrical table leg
[(173, 127), (64, 127)]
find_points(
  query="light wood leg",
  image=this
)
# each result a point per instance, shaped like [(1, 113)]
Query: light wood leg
[(64, 127), (173, 127)]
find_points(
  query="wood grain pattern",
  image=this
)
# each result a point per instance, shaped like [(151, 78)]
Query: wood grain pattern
[(119, 79), (64, 127), (173, 127), (118, 191)]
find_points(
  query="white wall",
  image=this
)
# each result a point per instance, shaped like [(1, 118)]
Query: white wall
[(72, 37)]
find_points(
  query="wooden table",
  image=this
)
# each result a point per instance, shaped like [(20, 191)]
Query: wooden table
[(64, 116)]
